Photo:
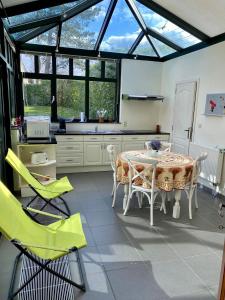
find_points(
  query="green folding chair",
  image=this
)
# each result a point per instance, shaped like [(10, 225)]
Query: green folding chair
[(47, 192), (37, 241)]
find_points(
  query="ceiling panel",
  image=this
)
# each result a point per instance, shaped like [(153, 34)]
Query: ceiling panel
[(205, 15), (8, 3)]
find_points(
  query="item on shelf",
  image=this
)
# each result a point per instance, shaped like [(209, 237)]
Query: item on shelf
[(82, 117), (158, 128), (101, 115), (37, 128), (39, 158), (62, 125)]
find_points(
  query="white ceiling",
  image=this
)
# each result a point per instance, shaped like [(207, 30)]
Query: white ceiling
[(8, 3), (206, 15)]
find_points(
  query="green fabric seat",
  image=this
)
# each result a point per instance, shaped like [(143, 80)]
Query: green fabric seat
[(46, 242), (47, 191)]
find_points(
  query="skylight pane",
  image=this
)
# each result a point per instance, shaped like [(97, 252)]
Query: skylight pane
[(82, 30), (144, 48), (122, 30), (162, 48), (166, 28), (47, 38), (41, 14)]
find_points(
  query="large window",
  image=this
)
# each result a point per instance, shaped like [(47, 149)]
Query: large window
[(37, 97), (62, 87)]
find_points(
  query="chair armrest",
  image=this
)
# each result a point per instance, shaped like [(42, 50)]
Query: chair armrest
[(40, 246), (43, 213), (43, 176)]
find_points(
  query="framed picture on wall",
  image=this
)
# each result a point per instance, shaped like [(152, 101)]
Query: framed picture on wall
[(215, 105)]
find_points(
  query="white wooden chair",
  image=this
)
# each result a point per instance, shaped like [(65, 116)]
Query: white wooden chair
[(191, 188), (165, 146), (148, 188), (111, 149)]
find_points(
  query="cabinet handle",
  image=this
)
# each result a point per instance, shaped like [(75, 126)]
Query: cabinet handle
[(69, 160)]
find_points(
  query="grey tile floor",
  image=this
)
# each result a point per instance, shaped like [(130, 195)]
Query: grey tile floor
[(127, 260)]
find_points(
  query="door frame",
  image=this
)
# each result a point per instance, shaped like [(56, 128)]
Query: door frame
[(194, 114)]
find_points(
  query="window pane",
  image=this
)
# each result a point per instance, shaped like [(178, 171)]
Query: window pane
[(27, 63), (167, 28), (162, 48), (45, 64), (95, 68), (102, 95), (41, 14), (144, 48), (110, 69), (70, 98), (82, 30), (47, 38), (79, 67), (122, 30), (62, 65), (37, 97)]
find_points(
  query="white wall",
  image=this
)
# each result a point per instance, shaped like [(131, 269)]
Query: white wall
[(137, 77), (207, 66), (140, 77)]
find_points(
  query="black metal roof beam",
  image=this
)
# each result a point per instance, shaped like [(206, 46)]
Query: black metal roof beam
[(136, 42), (64, 17), (153, 46), (56, 19), (140, 21), (34, 33), (174, 19), (105, 24), (83, 53), (33, 24), (58, 37), (31, 6), (163, 39)]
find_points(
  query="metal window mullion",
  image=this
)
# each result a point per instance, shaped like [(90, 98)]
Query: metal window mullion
[(87, 85), (153, 46), (136, 42), (54, 116)]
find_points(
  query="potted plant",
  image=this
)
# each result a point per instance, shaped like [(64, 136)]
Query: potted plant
[(101, 115), (154, 147)]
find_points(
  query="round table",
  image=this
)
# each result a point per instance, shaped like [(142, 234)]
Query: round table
[(173, 172)]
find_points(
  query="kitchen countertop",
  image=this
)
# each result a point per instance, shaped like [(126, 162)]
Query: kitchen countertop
[(112, 132)]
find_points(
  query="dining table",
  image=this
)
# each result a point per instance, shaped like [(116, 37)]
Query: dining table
[(173, 172)]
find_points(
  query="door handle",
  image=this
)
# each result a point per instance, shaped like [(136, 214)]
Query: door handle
[(189, 132)]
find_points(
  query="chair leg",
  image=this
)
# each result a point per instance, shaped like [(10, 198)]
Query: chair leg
[(163, 205), (115, 187), (128, 203), (190, 202), (196, 197), (151, 202), (140, 199), (66, 205)]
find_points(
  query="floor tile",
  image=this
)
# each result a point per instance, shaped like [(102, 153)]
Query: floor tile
[(100, 218)]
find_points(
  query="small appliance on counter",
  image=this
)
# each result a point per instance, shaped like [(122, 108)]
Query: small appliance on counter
[(39, 158), (37, 128)]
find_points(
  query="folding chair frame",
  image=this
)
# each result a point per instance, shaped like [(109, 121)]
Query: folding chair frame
[(43, 266), (49, 202)]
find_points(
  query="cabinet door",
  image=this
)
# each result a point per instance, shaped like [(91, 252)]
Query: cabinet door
[(128, 146), (92, 154), (105, 159)]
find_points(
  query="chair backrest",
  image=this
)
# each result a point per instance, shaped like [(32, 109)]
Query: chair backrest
[(165, 146), (20, 168), (14, 223), (111, 149), (198, 166), (142, 171)]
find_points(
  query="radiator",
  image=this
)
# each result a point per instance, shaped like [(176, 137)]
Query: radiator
[(212, 166)]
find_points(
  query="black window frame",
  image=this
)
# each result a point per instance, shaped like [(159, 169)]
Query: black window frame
[(54, 76)]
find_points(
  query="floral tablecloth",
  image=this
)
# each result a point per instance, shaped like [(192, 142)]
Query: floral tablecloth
[(173, 170)]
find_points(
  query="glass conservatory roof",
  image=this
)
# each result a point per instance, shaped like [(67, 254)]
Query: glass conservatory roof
[(129, 27)]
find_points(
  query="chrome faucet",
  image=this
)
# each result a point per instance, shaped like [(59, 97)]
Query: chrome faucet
[(96, 128)]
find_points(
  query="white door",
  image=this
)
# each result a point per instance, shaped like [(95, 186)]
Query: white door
[(184, 106), (93, 154)]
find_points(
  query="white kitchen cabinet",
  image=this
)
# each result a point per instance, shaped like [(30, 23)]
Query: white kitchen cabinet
[(128, 146), (93, 153)]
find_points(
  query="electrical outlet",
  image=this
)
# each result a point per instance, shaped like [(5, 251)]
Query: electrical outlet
[(125, 124)]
